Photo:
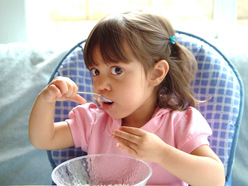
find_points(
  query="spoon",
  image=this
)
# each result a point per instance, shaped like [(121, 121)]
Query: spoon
[(100, 97)]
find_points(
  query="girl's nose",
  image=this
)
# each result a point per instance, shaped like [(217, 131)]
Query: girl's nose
[(102, 83)]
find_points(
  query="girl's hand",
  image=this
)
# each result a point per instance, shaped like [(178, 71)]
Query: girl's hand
[(139, 143), (201, 167), (61, 89)]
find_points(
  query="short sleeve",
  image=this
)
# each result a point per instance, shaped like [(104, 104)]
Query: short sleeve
[(192, 131), (81, 120)]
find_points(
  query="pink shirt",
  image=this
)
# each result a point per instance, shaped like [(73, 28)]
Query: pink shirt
[(92, 127)]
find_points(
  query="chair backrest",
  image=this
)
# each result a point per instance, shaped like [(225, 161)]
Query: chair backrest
[(216, 79)]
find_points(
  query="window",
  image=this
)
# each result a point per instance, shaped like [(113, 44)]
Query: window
[(66, 22), (242, 13), (96, 9)]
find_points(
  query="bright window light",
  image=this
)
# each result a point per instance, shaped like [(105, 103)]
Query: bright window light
[(67, 22)]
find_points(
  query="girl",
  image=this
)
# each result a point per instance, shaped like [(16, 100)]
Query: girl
[(137, 64)]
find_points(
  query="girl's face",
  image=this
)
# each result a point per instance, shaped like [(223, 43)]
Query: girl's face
[(126, 85)]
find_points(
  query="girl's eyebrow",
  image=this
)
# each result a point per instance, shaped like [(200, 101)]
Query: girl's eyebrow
[(119, 63), (92, 65)]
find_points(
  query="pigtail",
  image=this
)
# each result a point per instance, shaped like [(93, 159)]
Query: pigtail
[(175, 91)]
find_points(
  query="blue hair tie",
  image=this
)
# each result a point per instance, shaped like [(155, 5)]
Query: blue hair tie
[(172, 39)]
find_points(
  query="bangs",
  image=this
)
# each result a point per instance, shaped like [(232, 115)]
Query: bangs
[(109, 36)]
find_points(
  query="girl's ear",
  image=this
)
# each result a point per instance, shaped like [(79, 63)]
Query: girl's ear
[(158, 72)]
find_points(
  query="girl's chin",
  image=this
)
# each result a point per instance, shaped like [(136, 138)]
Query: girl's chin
[(113, 110)]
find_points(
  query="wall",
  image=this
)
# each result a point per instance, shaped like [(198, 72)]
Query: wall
[(13, 21)]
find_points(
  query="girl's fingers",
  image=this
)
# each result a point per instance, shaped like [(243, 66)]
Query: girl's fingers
[(78, 99), (125, 137), (53, 90), (61, 84), (66, 90), (126, 149), (132, 130), (125, 145), (51, 93)]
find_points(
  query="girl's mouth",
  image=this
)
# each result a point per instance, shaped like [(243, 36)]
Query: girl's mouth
[(108, 102), (107, 105)]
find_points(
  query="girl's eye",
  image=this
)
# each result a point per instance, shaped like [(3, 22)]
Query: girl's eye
[(95, 72), (116, 70)]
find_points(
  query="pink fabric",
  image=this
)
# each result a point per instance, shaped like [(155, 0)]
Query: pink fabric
[(91, 129)]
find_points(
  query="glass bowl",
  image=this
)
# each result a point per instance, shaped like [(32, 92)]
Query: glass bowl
[(102, 169)]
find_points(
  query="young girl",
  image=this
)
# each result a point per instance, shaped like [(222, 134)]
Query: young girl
[(137, 64)]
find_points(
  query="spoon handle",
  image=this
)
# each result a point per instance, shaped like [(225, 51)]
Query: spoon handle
[(100, 97), (91, 93)]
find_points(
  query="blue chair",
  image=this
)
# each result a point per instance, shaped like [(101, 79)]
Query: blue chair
[(216, 78)]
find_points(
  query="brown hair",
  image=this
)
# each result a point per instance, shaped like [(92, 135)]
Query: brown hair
[(148, 36)]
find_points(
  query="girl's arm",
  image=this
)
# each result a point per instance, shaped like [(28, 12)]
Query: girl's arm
[(43, 132), (201, 167)]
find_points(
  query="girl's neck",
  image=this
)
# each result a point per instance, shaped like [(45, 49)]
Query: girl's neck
[(141, 116)]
